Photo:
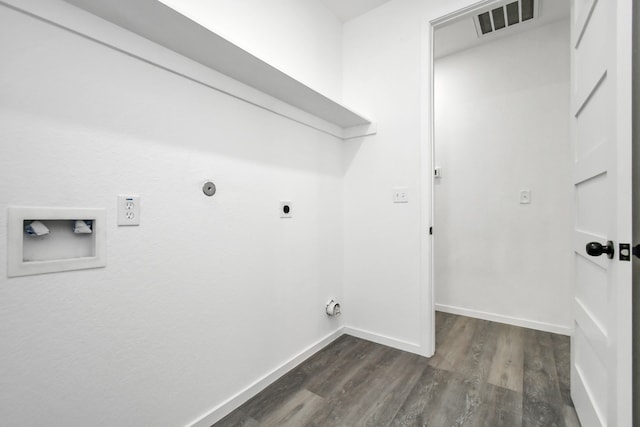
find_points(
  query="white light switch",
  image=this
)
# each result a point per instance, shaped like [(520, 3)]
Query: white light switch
[(400, 195), (525, 197), (128, 210)]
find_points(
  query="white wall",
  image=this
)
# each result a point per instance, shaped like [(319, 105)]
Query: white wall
[(302, 38), (502, 125), (207, 295), (387, 246), (382, 239), (182, 319)]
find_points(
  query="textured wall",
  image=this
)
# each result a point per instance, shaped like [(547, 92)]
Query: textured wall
[(387, 246), (502, 125), (207, 295)]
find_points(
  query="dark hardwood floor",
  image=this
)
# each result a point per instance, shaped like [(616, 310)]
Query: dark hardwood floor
[(483, 374)]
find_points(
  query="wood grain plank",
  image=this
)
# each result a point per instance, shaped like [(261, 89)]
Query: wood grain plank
[(499, 407), (475, 364), (461, 402), (562, 355), (484, 374), (349, 401), (570, 416), (294, 411), (314, 369), (454, 348), (343, 369), (389, 391), (469, 383), (427, 395), (507, 367), (542, 400), (237, 418), (267, 401), (444, 323), (330, 355)]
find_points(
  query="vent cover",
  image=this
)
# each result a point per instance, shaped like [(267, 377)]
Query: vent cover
[(506, 15)]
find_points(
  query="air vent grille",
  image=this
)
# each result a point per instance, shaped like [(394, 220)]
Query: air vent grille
[(505, 16)]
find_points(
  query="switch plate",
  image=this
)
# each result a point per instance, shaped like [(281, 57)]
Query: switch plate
[(400, 195), (525, 197), (128, 210), (286, 209)]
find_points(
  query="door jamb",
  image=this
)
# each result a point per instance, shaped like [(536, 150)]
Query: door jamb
[(427, 312)]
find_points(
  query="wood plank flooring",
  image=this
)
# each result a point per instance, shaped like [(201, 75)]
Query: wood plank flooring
[(483, 374)]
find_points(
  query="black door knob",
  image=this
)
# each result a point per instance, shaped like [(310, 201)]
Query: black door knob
[(596, 249)]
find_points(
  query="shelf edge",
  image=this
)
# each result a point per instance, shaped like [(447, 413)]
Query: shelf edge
[(103, 31)]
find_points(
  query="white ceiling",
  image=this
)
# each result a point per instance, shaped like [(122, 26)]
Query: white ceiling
[(349, 9), (461, 34)]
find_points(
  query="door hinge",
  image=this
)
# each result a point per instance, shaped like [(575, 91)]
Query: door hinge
[(625, 252)]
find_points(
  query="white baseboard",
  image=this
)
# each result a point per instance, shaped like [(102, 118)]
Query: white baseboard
[(384, 340), (224, 409), (525, 323)]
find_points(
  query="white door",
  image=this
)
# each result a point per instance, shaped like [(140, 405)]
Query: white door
[(601, 41)]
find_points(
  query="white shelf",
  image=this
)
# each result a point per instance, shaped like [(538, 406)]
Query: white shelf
[(159, 23)]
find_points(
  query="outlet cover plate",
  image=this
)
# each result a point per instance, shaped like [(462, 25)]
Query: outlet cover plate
[(400, 194), (128, 210)]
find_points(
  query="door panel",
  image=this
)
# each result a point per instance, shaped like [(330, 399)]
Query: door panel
[(593, 374), (592, 331), (590, 54), (591, 213), (592, 164), (580, 14), (592, 291), (592, 121), (601, 140)]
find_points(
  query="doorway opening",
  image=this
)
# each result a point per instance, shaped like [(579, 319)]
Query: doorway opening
[(502, 208)]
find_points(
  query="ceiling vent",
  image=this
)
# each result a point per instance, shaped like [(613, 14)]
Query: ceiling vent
[(505, 16)]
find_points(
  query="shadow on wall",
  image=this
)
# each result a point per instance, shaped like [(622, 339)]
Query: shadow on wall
[(351, 150)]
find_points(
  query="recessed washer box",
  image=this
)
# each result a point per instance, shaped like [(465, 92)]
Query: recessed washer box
[(57, 247)]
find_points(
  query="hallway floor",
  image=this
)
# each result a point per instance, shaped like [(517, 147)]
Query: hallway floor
[(483, 374)]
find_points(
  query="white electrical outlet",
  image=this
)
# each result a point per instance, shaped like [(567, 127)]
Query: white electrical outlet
[(525, 197), (286, 209), (128, 210), (400, 195)]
